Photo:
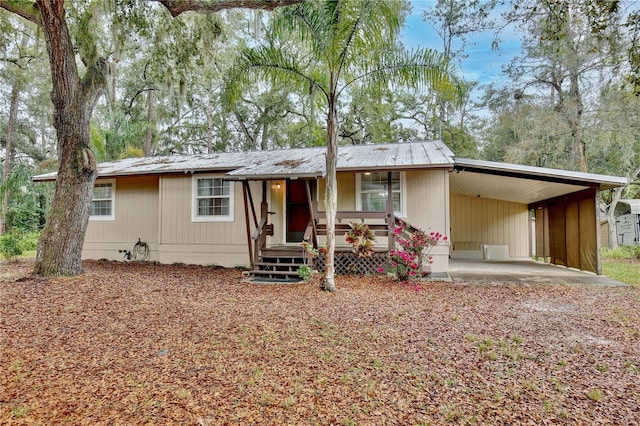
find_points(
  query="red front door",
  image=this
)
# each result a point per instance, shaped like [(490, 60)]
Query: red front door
[(297, 213)]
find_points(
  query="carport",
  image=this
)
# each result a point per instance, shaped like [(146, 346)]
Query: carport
[(553, 212), (523, 271)]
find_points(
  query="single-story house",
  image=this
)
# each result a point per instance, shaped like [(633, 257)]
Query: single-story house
[(231, 209)]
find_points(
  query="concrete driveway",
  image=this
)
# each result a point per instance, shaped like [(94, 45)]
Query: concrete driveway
[(525, 271)]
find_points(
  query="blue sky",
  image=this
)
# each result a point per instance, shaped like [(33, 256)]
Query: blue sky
[(482, 64)]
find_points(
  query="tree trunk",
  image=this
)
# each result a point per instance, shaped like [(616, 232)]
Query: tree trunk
[(148, 139), (13, 116), (60, 245), (575, 123), (611, 217), (331, 195), (209, 132)]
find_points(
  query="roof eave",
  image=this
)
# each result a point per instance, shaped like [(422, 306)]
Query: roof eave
[(602, 182)]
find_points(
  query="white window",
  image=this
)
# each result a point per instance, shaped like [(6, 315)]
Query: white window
[(372, 191), (103, 201), (212, 199)]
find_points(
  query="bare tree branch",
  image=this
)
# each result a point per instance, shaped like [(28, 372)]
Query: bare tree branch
[(24, 8), (177, 7)]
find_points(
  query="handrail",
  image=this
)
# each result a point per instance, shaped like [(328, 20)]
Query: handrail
[(354, 214), (308, 232), (258, 230), (409, 228), (260, 240)]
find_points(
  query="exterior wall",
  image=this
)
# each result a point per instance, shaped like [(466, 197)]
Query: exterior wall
[(346, 192), (478, 221), (221, 243), (136, 216), (427, 205)]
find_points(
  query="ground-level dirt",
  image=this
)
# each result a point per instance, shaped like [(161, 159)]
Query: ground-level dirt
[(152, 344)]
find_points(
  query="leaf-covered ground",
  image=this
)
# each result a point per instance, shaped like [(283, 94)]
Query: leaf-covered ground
[(150, 344)]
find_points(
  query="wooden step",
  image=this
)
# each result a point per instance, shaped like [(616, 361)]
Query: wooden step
[(279, 264), (275, 276), (272, 265), (283, 251)]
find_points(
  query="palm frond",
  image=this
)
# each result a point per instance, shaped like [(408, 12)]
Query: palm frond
[(273, 64), (420, 68)]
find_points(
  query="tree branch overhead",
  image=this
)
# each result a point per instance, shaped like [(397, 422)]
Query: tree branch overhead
[(177, 7)]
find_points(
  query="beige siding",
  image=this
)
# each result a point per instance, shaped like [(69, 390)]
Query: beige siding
[(427, 199), (478, 221), (346, 192), (136, 216), (427, 207), (183, 240)]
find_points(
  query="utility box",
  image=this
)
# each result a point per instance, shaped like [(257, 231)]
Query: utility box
[(628, 229)]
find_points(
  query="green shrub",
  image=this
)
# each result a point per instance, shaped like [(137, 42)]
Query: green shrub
[(10, 245), (305, 272), (29, 240)]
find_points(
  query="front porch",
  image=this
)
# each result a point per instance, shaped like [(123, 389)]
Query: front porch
[(275, 260)]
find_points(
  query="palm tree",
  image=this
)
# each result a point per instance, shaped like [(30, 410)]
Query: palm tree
[(345, 41)]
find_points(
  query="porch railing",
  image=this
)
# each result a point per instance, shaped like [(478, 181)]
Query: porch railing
[(346, 262), (380, 227), (259, 238)]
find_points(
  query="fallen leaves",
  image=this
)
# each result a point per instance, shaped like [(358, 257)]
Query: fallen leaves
[(151, 344)]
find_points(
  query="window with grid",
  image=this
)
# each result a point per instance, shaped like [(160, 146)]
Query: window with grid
[(372, 191), (102, 201), (213, 199)]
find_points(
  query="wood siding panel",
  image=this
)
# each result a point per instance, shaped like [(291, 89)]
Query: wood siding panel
[(573, 235), (426, 197), (427, 207), (222, 243), (557, 234), (346, 191), (136, 216), (476, 221), (588, 235)]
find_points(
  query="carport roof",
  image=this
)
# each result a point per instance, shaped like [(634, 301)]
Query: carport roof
[(522, 184)]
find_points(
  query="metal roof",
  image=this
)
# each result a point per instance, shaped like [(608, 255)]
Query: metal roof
[(523, 184), (284, 163), (502, 181)]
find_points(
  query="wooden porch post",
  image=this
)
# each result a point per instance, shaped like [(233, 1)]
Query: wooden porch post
[(263, 205), (390, 215), (253, 209), (245, 190)]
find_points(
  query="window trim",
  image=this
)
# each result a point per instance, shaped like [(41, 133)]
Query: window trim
[(112, 216), (403, 186), (194, 199)]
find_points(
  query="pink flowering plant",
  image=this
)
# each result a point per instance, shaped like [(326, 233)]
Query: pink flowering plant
[(406, 261)]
